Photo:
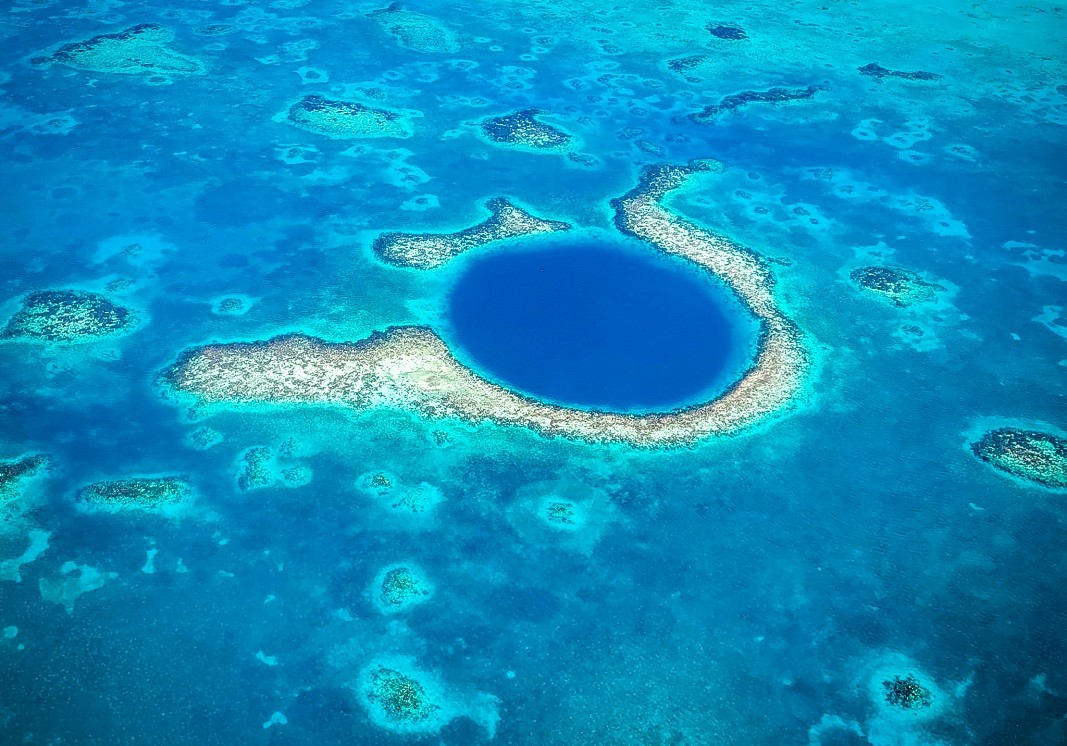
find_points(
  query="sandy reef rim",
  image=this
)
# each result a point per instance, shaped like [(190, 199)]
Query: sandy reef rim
[(411, 367)]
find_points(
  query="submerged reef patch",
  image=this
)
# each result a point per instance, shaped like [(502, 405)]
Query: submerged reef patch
[(411, 368), (260, 467), (400, 697), (68, 317), (169, 495), (404, 505), (15, 478), (876, 71), (347, 120), (727, 31), (398, 588), (906, 693), (739, 100), (1033, 456), (567, 513), (139, 50), (231, 305), (416, 31), (525, 131), (431, 250), (901, 287)]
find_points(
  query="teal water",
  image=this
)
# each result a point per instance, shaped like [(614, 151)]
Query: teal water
[(752, 589), (598, 324)]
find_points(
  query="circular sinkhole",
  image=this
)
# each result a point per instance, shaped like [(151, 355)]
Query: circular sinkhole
[(598, 323)]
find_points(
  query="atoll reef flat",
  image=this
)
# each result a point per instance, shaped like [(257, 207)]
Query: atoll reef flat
[(412, 368), (542, 373)]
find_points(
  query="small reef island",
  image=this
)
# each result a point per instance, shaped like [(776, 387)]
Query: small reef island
[(138, 50), (412, 368), (65, 317), (1034, 457)]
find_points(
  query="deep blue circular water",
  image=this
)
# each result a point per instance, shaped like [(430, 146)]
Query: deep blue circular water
[(599, 325)]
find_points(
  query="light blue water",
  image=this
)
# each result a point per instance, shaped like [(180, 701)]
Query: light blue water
[(751, 590)]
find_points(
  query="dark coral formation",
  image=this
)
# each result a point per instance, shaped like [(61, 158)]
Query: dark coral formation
[(740, 100), (139, 50), (60, 316), (901, 287), (727, 31), (1031, 455), (13, 475), (402, 587), (256, 469), (230, 306), (683, 65), (12, 472), (403, 700), (523, 130), (907, 693), (876, 71), (347, 119), (137, 493), (560, 512)]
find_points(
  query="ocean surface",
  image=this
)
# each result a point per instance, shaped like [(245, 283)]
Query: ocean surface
[(774, 586)]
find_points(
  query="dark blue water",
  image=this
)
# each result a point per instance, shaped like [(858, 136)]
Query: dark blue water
[(598, 324)]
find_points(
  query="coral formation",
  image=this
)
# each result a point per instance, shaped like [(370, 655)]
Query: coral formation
[(876, 71), (738, 100), (523, 130), (231, 305), (412, 368), (906, 693), (15, 476), (901, 287), (416, 31), (727, 31), (397, 588), (402, 698), (203, 438), (1031, 455), (256, 468), (167, 495), (139, 50), (68, 316), (431, 250), (400, 701), (344, 120)]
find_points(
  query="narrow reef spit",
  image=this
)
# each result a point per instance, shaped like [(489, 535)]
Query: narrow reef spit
[(739, 100), (876, 71), (431, 250)]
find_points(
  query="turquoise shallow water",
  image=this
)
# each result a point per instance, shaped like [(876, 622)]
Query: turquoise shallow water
[(753, 589)]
